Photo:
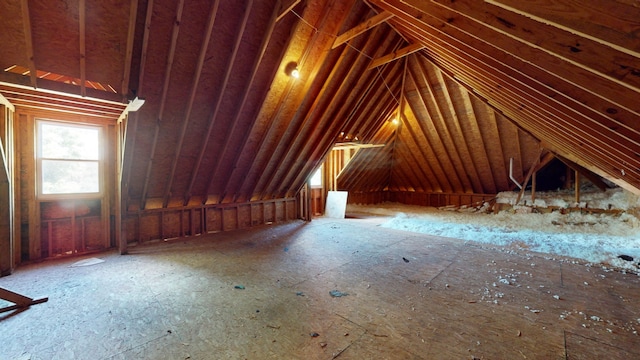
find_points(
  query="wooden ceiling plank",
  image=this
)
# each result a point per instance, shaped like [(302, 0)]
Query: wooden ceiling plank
[(145, 48), (361, 28), (163, 100), (225, 83), (83, 47), (398, 54), (28, 40), (131, 30), (404, 121), (204, 46), (585, 53), (383, 114), (607, 23), (459, 142), (375, 176)]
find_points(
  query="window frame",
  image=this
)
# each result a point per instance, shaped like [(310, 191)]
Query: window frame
[(39, 160)]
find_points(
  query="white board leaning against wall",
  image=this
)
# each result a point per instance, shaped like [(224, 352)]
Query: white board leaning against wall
[(336, 206)]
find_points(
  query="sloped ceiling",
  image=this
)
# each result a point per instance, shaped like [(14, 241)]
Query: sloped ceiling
[(473, 84)]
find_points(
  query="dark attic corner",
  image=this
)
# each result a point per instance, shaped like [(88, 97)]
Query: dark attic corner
[(183, 132)]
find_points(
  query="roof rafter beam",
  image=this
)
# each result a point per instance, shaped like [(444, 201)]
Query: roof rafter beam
[(398, 54), (194, 88), (265, 41), (83, 46), (163, 99), (359, 29), (223, 87), (285, 7), (319, 136), (133, 12), (28, 39)]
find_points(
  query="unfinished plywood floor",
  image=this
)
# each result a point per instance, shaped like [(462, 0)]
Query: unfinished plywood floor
[(410, 296)]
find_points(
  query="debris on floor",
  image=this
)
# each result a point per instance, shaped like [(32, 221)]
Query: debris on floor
[(336, 293), (241, 287), (87, 262), (314, 334)]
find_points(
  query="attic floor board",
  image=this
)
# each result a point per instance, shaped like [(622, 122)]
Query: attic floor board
[(410, 296)]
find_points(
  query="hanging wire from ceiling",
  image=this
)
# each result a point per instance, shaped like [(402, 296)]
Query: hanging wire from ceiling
[(384, 81)]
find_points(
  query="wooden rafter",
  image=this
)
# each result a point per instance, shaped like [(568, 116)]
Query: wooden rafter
[(584, 53), (163, 99), (133, 12), (612, 23), (131, 129), (369, 84), (28, 40), (284, 7), (192, 95), (455, 133), (425, 128), (488, 183), (236, 154), (83, 47), (440, 133), (279, 108), (359, 29), (422, 151), (306, 133), (223, 86), (398, 54), (296, 125), (523, 108)]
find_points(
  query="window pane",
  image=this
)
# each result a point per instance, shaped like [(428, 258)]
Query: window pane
[(69, 142), (70, 177), (316, 178)]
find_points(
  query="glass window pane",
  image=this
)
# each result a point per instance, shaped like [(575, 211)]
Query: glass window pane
[(69, 142), (70, 177), (316, 178)]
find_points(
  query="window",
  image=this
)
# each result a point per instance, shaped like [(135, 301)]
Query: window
[(316, 178), (68, 158)]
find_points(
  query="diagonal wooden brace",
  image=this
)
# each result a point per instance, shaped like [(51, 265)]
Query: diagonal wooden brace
[(20, 301)]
